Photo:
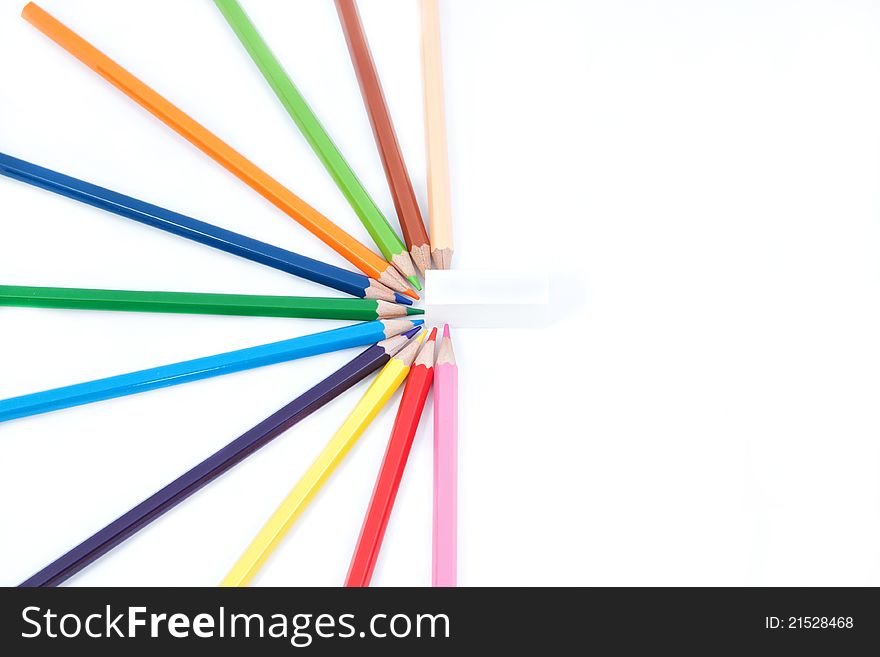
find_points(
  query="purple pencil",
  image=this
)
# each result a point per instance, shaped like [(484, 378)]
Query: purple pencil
[(212, 467)]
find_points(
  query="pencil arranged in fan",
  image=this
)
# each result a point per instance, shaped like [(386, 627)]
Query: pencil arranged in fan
[(439, 198), (376, 396), (97, 545), (361, 202), (409, 413), (396, 173), (201, 303), (347, 246), (445, 533), (203, 368), (344, 280)]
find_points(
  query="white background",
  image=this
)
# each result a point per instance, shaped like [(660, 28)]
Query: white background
[(704, 410)]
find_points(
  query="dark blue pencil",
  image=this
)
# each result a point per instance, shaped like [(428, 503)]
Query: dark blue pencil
[(340, 279)]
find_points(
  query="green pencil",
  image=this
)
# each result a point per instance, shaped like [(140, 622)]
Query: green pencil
[(202, 303), (391, 246)]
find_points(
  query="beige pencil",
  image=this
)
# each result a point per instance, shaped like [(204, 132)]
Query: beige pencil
[(439, 199)]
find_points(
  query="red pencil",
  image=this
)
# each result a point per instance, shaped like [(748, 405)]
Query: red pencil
[(360, 572)]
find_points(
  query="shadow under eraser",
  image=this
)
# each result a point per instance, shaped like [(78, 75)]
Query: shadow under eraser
[(477, 298)]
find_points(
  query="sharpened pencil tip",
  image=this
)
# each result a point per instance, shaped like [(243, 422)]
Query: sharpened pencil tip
[(414, 281), (412, 295), (433, 335), (446, 331), (412, 332), (417, 322), (399, 298), (415, 311)]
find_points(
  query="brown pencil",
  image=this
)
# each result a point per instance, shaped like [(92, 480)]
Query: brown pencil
[(399, 182)]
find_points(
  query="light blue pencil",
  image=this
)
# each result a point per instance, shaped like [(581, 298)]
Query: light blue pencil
[(356, 335)]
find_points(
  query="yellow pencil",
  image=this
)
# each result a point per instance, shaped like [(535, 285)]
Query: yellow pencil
[(376, 396)]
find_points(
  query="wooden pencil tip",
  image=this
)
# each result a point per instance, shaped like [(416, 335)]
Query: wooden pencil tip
[(445, 353), (426, 353), (375, 290), (414, 281), (397, 326), (433, 335), (384, 310), (412, 295), (391, 278), (404, 264), (421, 256), (442, 258), (408, 354), (414, 311)]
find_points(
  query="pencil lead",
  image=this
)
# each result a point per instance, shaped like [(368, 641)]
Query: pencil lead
[(399, 298), (433, 335), (446, 331), (412, 332), (412, 295), (415, 311), (414, 281)]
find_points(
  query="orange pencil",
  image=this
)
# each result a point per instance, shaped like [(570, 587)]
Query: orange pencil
[(347, 246)]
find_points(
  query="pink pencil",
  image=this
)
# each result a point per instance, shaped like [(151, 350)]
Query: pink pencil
[(445, 464)]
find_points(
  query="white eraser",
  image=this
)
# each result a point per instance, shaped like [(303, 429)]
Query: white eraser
[(486, 298)]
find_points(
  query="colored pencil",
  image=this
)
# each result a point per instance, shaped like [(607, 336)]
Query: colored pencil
[(445, 541), (439, 198), (203, 303), (376, 396), (97, 545), (350, 282), (272, 190), (396, 173), (409, 413), (360, 200), (202, 368)]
